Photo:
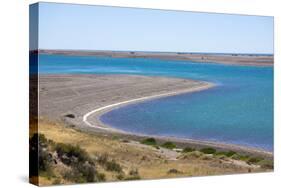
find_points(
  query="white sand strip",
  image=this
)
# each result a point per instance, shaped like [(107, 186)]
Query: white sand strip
[(106, 108)]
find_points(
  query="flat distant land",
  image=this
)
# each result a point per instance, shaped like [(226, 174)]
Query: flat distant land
[(237, 59)]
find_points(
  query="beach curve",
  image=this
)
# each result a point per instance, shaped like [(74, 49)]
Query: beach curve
[(107, 108), (78, 95), (102, 110)]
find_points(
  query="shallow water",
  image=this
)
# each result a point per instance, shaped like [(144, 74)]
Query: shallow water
[(239, 110)]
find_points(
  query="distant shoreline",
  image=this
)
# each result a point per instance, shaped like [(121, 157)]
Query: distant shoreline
[(223, 58)]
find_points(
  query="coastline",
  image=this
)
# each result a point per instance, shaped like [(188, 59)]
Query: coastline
[(159, 86), (97, 113), (102, 110), (227, 59)]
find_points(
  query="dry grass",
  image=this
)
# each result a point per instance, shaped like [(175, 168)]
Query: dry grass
[(150, 162)]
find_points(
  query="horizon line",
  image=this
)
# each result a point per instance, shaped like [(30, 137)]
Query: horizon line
[(154, 51)]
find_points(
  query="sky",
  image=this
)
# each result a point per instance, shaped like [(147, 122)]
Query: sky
[(84, 27)]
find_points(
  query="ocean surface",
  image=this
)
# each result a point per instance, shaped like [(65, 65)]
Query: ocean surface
[(239, 110)]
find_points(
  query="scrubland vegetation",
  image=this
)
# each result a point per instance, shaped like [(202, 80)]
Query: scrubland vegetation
[(68, 156), (256, 160)]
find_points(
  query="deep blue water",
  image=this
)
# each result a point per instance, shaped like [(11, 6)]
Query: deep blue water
[(238, 111)]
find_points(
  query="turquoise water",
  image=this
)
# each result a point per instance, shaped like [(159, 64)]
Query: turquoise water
[(239, 110)]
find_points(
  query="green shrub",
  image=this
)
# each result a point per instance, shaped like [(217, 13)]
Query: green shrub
[(88, 172), (132, 178), (44, 158), (193, 154), (113, 166), (83, 172), (149, 141), (254, 160), (120, 176), (230, 153), (81, 166), (44, 163), (188, 149), (101, 177), (169, 145), (240, 157), (156, 147), (266, 164), (227, 154), (42, 139), (71, 152), (109, 165), (208, 150)]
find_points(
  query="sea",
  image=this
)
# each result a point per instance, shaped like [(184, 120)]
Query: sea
[(238, 110)]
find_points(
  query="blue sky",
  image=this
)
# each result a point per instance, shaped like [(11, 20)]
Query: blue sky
[(66, 26)]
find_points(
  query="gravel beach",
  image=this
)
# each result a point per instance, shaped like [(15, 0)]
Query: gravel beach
[(68, 98)]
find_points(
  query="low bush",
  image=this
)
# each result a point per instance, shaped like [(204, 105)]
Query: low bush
[(206, 157), (81, 166), (132, 178), (134, 172), (133, 175), (102, 159), (113, 166), (74, 176), (45, 161), (101, 177), (208, 150), (226, 153), (188, 149), (240, 157), (120, 176), (254, 160), (169, 145), (115, 137), (56, 181), (156, 147), (88, 172), (174, 171), (40, 156), (193, 154), (230, 153), (266, 164), (109, 165), (149, 141), (69, 152)]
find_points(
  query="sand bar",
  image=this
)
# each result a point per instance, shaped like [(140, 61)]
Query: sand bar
[(79, 95)]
